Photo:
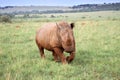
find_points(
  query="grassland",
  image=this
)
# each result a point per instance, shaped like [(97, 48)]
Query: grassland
[(97, 36)]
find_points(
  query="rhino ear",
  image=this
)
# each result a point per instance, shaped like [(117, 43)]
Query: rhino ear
[(72, 25)]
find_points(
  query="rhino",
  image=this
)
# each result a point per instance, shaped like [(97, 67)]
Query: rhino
[(57, 38)]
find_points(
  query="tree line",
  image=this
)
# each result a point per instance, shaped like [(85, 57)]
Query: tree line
[(75, 8), (97, 7)]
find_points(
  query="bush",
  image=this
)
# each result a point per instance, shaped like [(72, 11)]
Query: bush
[(5, 18), (52, 16), (83, 17), (26, 16)]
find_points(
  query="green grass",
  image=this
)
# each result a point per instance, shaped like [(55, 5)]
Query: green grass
[(97, 49)]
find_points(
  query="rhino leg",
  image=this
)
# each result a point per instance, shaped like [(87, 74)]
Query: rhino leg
[(60, 54), (42, 52), (71, 57), (56, 58)]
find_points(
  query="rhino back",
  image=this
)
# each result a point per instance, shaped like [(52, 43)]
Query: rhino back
[(46, 36)]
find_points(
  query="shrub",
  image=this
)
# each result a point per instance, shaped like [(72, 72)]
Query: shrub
[(52, 16), (83, 17), (5, 18), (26, 16)]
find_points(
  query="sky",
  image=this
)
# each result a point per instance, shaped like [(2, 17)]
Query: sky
[(52, 2)]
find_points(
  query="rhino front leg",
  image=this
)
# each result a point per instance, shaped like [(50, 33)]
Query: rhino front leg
[(71, 57), (60, 54)]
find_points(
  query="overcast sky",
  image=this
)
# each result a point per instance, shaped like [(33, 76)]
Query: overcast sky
[(52, 2)]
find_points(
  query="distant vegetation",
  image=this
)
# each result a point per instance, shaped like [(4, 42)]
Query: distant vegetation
[(6, 7), (97, 7), (7, 13), (6, 18), (59, 9)]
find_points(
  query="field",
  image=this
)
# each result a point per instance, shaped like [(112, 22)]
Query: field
[(97, 36)]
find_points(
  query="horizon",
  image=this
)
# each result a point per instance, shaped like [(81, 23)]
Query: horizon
[(4, 3)]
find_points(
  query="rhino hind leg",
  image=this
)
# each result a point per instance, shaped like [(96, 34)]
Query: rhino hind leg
[(41, 49)]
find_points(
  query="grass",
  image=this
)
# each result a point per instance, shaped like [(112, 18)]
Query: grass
[(97, 49)]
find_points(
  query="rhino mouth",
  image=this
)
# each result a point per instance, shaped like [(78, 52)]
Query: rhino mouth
[(68, 48)]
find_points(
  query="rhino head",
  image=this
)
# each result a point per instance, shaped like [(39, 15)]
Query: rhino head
[(66, 36)]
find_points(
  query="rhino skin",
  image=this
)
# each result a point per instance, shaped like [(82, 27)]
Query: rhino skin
[(57, 37)]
